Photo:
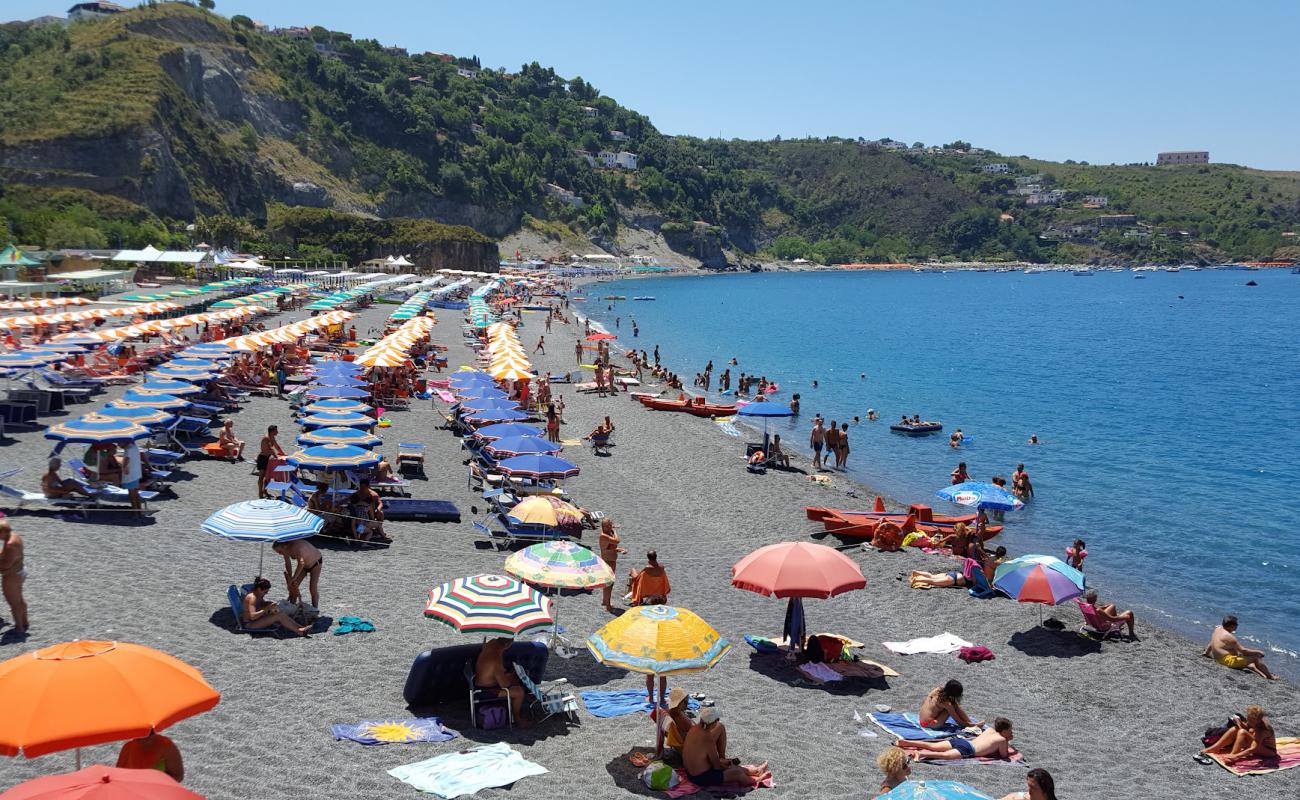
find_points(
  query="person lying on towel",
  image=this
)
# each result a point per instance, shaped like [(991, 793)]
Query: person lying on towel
[(993, 743)]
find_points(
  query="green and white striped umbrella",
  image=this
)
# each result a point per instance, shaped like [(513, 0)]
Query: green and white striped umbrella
[(492, 605)]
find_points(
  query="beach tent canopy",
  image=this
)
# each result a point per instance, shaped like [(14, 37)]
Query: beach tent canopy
[(13, 257)]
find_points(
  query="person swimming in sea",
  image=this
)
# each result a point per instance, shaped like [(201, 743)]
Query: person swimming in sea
[(814, 383), (1033, 438), (872, 416)]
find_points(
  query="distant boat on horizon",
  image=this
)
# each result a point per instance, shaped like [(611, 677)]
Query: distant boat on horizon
[(1084, 273)]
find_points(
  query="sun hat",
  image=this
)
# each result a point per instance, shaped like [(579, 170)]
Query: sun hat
[(676, 697)]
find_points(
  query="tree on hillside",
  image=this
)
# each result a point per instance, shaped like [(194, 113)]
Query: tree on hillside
[(957, 145), (207, 5)]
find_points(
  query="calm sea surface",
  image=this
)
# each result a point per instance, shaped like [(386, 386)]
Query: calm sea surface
[(1167, 410)]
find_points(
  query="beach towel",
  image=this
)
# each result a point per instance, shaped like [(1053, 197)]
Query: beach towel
[(943, 643), (973, 655), (353, 625), (685, 787), (1288, 752), (621, 703), (871, 670), (466, 772), (446, 397), (908, 726), (819, 673), (729, 428), (394, 731)]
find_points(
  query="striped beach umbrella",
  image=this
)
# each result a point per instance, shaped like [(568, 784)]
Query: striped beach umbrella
[(161, 386), (492, 605), (263, 521), (140, 416), (356, 437), (538, 466), (1038, 579), (94, 429), (560, 565), (28, 359), (79, 338), (166, 402), (333, 457), (504, 429), (520, 446), (345, 419), (338, 406)]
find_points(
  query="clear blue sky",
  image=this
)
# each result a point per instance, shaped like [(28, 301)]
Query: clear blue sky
[(1102, 81)]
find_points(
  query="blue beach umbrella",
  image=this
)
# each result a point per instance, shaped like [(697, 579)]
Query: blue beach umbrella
[(194, 363), (480, 393), (766, 410), (158, 386), (346, 419), (337, 392), (934, 790), (28, 358), (489, 404), (337, 380), (172, 370), (490, 417), (140, 416), (211, 351), (333, 457), (538, 466), (93, 429), (353, 436), (504, 429), (59, 347), (165, 402), (263, 521), (521, 445), (462, 379), (975, 494), (336, 366), (338, 406), (191, 376)]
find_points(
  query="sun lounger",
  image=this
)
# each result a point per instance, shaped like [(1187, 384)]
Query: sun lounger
[(395, 487), (410, 458), (15, 413), (550, 698), (102, 500), (63, 381)]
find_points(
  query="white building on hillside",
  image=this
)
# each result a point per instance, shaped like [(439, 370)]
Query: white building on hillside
[(83, 11), (620, 160), (618, 136), (467, 73), (996, 168)]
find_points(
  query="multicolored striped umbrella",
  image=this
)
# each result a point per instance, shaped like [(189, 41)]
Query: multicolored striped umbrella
[(658, 640), (338, 406), (263, 521), (492, 605), (140, 416), (94, 429), (166, 402), (333, 457), (520, 446), (538, 466), (353, 436), (504, 429), (331, 420), (1038, 579), (560, 565)]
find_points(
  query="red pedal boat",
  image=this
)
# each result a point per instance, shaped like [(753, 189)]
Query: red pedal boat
[(863, 524)]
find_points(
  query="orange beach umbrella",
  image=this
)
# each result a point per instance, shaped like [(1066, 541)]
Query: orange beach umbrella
[(83, 693)]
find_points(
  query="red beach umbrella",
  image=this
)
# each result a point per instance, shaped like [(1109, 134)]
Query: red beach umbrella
[(98, 782), (797, 569)]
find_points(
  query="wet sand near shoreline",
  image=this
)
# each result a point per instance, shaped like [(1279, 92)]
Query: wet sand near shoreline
[(1119, 719)]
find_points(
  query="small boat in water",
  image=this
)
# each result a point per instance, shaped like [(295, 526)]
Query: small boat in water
[(615, 297), (920, 429), (643, 297), (1084, 273)]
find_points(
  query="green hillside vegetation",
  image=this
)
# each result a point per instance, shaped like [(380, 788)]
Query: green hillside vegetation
[(388, 135)]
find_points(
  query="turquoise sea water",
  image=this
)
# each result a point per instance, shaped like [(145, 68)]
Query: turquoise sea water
[(1167, 410)]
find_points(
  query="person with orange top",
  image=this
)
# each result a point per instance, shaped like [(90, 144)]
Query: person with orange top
[(650, 585), (153, 751)]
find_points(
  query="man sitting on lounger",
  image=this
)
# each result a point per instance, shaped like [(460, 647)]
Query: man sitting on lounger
[(941, 703), (703, 763), (257, 613), (989, 744), (490, 673), (1225, 649), (1108, 613), (56, 488)]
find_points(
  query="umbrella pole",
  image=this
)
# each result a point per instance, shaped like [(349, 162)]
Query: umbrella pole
[(78, 758), (660, 709)]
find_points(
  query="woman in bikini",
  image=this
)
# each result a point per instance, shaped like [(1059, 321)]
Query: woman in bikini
[(256, 613), (940, 704), (301, 560)]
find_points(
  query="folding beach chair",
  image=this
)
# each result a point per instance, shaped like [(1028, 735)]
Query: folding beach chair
[(1096, 627), (235, 596), (549, 697), (479, 698), (600, 444), (410, 459)]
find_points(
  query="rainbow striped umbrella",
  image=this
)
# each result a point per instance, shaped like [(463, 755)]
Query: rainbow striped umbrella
[(338, 406), (1038, 579), (353, 436), (94, 429), (346, 419), (492, 605), (560, 565), (166, 402), (140, 416), (332, 457)]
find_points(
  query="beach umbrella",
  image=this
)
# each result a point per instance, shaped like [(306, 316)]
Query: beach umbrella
[(262, 521), (510, 373), (557, 566), (472, 378), (194, 363), (162, 386), (489, 405), (28, 359), (333, 457), (933, 790), (83, 693), (1046, 580), (795, 570), (59, 348), (491, 417), (547, 510), (337, 392), (480, 393), (658, 640), (338, 406), (183, 373), (492, 605), (209, 351), (79, 338), (346, 419), (537, 466), (94, 429), (976, 494), (766, 410), (337, 380), (356, 437), (521, 445), (100, 782), (140, 416), (504, 429), (165, 402)]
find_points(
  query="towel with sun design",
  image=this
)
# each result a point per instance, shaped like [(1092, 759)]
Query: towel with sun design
[(394, 731)]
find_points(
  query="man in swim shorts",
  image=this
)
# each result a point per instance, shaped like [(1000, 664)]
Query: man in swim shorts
[(816, 441), (1225, 649), (703, 763), (993, 743)]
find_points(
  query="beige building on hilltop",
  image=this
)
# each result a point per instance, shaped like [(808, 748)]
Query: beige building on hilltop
[(1183, 157)]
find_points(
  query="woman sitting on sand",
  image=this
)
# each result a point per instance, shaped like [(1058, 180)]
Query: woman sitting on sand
[(1248, 737), (942, 703), (257, 613), (958, 541)]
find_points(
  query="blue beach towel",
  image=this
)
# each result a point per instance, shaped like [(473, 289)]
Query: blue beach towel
[(621, 703), (394, 731), (456, 774), (908, 726)]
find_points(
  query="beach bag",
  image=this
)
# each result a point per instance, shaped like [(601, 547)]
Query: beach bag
[(491, 718), (659, 776), (1214, 733)]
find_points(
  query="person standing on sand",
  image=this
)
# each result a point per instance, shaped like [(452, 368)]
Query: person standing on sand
[(1225, 649), (832, 437), (13, 575), (842, 453), (817, 441), (541, 345), (609, 552), (268, 448)]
